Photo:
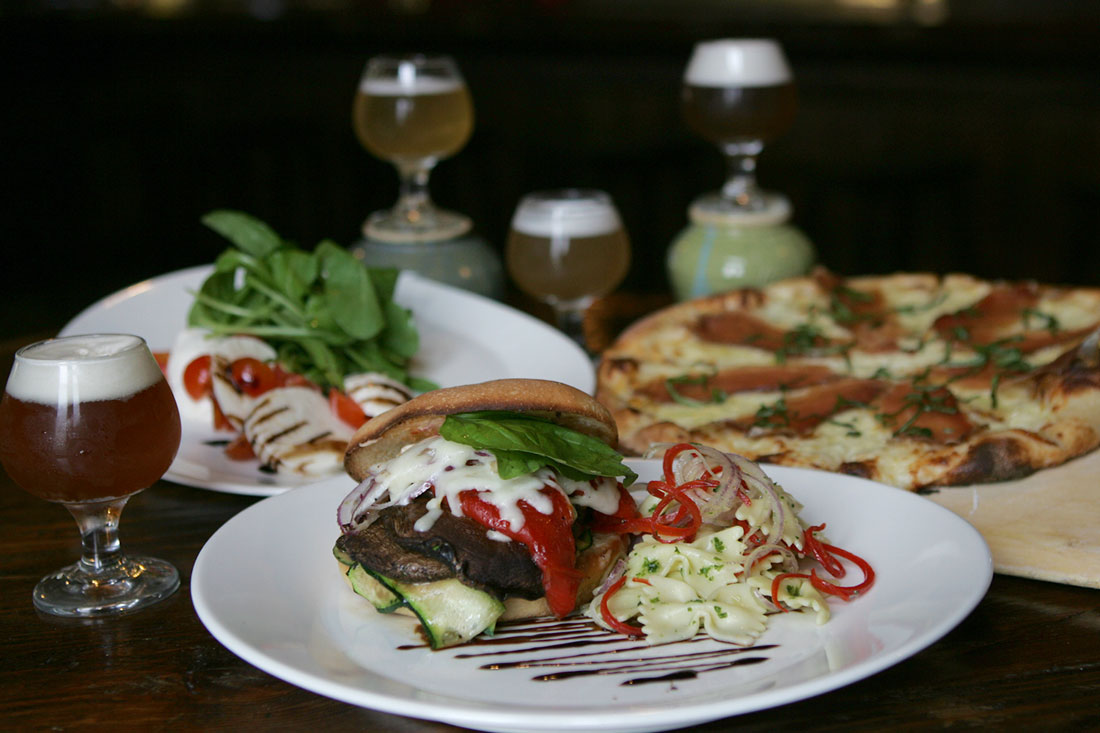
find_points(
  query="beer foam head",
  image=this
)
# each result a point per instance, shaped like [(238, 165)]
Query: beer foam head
[(387, 76), (566, 213), (746, 62), (82, 369), (411, 87)]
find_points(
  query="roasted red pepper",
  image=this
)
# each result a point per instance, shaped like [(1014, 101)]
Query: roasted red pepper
[(549, 537)]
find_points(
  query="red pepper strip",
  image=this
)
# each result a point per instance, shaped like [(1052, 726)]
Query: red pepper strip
[(670, 457), (679, 495), (815, 547), (549, 537), (777, 581), (614, 623), (850, 591)]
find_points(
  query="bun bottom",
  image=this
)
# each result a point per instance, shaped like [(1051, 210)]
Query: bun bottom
[(593, 563)]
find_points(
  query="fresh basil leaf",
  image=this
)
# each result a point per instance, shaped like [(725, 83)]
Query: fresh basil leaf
[(553, 444), (248, 233), (325, 313), (400, 335), (349, 292), (293, 272), (384, 280)]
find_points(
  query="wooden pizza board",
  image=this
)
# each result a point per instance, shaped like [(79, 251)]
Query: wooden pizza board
[(1045, 526)]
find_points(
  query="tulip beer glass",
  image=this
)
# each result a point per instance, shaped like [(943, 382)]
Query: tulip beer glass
[(566, 248), (88, 421), (738, 94), (413, 111)]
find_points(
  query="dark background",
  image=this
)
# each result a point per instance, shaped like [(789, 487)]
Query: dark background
[(932, 135)]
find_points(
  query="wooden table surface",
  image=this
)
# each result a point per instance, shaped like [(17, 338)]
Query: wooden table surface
[(1028, 657)]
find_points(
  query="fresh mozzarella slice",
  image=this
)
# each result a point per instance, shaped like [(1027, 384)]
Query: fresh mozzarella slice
[(292, 430), (375, 392)]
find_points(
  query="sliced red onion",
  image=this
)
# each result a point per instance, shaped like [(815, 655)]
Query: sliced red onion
[(790, 562), (361, 507), (345, 514), (617, 571), (754, 475), (722, 500)]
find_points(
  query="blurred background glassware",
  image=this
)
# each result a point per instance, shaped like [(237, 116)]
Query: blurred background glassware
[(413, 111), (87, 422), (738, 94), (566, 248)]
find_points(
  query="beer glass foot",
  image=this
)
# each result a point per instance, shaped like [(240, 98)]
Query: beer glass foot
[(129, 584), (407, 227)]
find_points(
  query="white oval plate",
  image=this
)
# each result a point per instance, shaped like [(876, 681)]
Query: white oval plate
[(278, 601), (464, 338)]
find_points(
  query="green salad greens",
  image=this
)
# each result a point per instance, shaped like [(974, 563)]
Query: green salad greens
[(523, 444), (325, 313)]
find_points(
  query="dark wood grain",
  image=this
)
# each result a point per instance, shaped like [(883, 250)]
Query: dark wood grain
[(1027, 658)]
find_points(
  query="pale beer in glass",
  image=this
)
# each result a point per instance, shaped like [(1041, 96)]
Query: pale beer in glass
[(566, 248), (413, 111)]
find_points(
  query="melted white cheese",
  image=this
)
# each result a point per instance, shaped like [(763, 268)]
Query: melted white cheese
[(450, 468)]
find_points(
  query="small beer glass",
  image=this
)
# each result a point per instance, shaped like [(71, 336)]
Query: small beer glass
[(87, 422), (738, 94), (566, 248), (413, 111)]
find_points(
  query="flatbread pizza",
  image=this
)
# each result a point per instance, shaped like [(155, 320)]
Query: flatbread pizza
[(912, 379)]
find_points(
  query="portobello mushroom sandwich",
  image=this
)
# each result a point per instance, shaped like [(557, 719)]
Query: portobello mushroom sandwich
[(476, 504)]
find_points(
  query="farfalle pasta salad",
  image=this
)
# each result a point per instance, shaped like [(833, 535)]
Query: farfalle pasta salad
[(720, 548)]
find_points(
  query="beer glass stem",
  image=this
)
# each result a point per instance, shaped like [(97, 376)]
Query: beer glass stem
[(98, 524), (414, 200), (740, 187)]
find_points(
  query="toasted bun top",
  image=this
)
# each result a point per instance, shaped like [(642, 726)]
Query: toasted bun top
[(381, 438)]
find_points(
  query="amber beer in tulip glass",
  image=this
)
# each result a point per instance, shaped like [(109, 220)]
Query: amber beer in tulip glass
[(738, 94), (87, 422), (566, 248)]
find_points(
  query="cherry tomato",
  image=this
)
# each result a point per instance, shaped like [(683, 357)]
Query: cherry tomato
[(346, 408), (240, 449), (290, 379), (196, 377), (252, 376)]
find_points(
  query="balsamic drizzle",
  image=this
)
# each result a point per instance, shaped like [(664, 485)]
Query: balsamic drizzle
[(679, 663)]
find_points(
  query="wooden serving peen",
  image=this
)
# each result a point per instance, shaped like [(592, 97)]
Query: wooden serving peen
[(1045, 526)]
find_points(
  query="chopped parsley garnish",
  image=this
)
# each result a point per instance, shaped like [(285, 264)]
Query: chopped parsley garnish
[(650, 566), (773, 415), (841, 300), (923, 398), (672, 383), (707, 570), (1046, 321), (719, 612), (851, 430), (719, 545)]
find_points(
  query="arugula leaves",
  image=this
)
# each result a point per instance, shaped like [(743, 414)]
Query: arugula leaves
[(522, 444), (325, 313)]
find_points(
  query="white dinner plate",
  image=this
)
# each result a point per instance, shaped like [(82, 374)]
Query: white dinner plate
[(277, 600), (464, 338)]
